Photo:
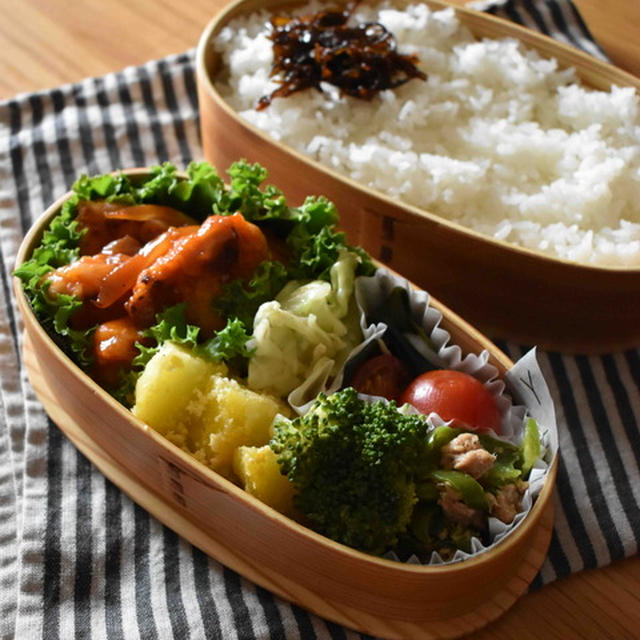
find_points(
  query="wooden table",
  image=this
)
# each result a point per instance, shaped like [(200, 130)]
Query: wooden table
[(51, 42)]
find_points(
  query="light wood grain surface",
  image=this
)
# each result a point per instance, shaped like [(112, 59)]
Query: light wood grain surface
[(51, 42)]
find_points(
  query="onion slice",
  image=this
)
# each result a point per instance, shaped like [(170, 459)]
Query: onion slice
[(152, 212)]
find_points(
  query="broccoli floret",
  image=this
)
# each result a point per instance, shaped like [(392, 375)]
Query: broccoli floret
[(353, 465)]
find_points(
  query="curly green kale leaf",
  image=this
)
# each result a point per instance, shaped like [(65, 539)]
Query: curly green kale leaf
[(240, 300)]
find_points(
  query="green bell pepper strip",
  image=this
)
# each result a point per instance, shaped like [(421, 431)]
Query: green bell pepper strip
[(506, 467), (530, 447), (442, 436), (501, 448), (470, 490), (499, 474), (437, 439)]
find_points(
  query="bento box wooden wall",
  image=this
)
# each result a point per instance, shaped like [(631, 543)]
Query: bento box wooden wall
[(374, 595), (508, 292)]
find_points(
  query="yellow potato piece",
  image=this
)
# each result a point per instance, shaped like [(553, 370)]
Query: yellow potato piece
[(259, 472), (230, 416), (190, 401), (167, 386)]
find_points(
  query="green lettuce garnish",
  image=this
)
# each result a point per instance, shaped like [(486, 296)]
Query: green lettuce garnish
[(59, 246), (242, 300)]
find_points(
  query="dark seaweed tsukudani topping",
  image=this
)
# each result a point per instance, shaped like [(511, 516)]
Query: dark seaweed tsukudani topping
[(361, 60)]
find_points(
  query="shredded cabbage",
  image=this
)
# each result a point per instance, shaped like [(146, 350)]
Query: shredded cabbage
[(306, 332)]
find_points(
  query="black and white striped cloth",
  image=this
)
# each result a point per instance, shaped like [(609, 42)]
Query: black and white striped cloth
[(77, 557)]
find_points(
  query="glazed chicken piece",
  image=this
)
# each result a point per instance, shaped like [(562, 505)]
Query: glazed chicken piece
[(82, 277), (113, 234), (121, 280), (188, 263), (465, 453), (195, 267), (115, 340), (125, 285), (114, 346)]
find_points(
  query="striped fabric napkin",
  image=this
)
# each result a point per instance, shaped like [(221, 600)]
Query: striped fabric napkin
[(78, 558)]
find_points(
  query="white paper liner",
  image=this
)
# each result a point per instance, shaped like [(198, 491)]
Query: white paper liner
[(525, 384)]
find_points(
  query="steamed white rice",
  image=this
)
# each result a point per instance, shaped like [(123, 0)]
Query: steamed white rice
[(498, 139)]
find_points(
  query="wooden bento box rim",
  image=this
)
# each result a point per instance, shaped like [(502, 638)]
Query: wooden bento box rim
[(592, 71), (218, 482)]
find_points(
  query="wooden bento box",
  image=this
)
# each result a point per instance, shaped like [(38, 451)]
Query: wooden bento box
[(508, 292), (374, 595)]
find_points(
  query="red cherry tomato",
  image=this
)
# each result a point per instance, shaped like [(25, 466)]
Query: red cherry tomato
[(456, 396), (383, 376)]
